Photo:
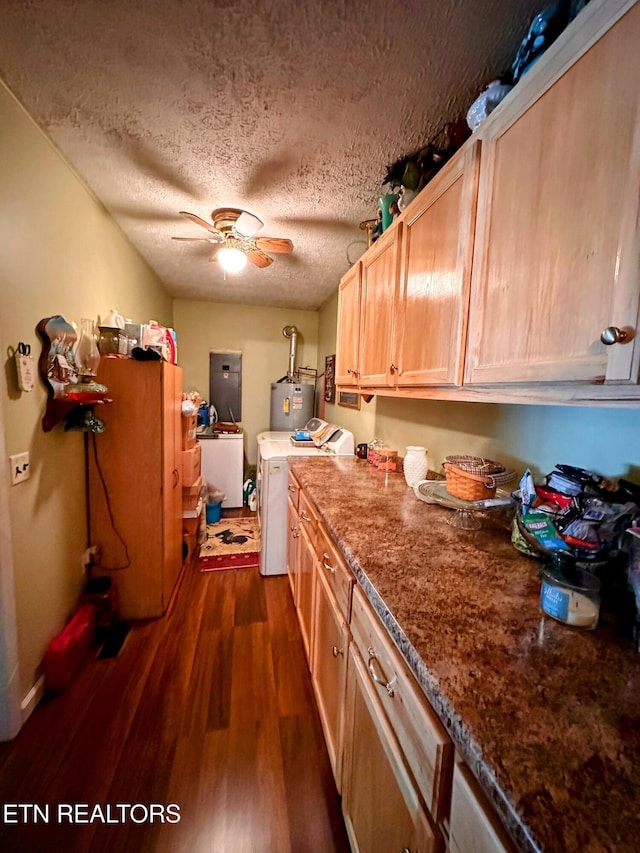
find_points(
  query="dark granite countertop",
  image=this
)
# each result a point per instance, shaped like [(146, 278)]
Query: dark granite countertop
[(547, 716)]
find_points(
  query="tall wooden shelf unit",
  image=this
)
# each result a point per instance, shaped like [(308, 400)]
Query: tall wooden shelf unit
[(136, 462)]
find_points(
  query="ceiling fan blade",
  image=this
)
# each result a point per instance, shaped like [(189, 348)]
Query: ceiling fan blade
[(277, 245), (259, 259), (247, 224), (211, 239), (199, 221)]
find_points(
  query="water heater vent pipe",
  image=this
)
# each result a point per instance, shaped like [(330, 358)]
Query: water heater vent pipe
[(292, 333)]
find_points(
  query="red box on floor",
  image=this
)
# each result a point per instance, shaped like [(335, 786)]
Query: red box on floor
[(69, 648)]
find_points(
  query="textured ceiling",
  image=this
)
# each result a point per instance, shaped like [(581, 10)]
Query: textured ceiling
[(291, 110)]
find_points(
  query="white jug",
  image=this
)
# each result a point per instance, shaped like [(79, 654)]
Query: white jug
[(113, 320), (415, 464)]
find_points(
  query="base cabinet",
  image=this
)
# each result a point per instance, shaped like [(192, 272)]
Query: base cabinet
[(473, 828), (329, 672), (293, 536), (381, 807), (391, 757), (305, 590)]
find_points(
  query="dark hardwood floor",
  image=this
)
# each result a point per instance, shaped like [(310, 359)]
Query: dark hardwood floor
[(210, 708)]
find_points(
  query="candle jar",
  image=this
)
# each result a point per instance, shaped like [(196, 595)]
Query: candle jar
[(372, 452), (415, 464), (387, 459), (570, 594)]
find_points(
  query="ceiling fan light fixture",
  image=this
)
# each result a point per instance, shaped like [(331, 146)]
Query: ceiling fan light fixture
[(231, 259)]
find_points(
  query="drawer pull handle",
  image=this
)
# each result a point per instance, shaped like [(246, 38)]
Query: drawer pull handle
[(335, 651), (294, 532), (291, 488), (379, 677), (305, 517), (327, 565)]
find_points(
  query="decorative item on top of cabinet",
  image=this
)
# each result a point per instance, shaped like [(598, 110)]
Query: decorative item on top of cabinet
[(557, 242), (348, 333), (71, 395)]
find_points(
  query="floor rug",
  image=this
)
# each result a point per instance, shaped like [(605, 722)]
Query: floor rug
[(232, 543)]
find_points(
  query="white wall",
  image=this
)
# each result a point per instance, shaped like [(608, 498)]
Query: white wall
[(257, 332)]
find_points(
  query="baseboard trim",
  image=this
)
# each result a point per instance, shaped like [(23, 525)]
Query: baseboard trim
[(32, 698)]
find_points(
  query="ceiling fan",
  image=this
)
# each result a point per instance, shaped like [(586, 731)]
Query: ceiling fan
[(233, 232)]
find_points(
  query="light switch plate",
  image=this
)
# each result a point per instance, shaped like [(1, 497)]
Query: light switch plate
[(20, 470)]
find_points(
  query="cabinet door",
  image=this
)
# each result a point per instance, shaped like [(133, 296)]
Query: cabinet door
[(172, 477), (293, 533), (556, 256), (436, 269), (381, 807), (330, 639), (127, 486), (305, 581), (473, 825), (348, 334), (380, 272)]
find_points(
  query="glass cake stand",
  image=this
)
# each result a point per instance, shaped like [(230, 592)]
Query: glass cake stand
[(466, 512)]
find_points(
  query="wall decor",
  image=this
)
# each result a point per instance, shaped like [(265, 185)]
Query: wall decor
[(330, 379), (349, 399)]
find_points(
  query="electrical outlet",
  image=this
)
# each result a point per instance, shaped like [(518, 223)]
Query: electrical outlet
[(20, 471), (90, 556)]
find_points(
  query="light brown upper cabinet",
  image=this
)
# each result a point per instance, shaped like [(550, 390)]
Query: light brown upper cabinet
[(556, 258), (437, 247), (380, 274), (348, 337)]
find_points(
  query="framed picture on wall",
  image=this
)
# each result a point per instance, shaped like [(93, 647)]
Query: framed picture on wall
[(349, 399), (330, 379)]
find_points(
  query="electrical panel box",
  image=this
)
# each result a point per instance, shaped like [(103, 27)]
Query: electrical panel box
[(225, 384)]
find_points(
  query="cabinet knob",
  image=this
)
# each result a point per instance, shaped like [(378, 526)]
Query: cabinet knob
[(393, 368), (335, 651), (613, 335)]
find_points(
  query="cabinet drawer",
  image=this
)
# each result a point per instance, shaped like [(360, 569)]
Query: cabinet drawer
[(293, 490), (473, 825), (335, 571), (424, 741)]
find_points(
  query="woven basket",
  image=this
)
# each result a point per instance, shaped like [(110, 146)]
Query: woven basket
[(472, 478)]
